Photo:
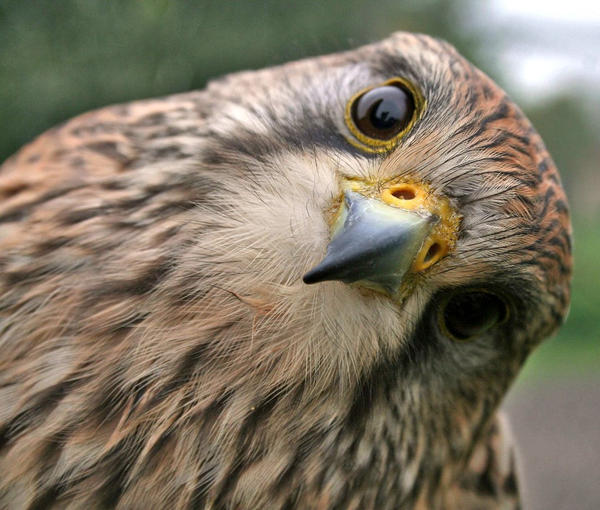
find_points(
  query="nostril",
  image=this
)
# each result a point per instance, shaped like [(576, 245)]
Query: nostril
[(403, 193), (432, 252)]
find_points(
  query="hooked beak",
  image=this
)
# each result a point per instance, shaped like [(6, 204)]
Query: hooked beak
[(377, 244)]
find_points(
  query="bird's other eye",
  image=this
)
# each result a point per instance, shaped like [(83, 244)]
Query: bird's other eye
[(467, 314), (383, 112)]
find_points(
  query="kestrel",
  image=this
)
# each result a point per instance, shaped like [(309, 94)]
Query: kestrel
[(305, 287)]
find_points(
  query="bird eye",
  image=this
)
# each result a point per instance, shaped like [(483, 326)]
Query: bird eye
[(383, 111), (468, 314), (379, 116)]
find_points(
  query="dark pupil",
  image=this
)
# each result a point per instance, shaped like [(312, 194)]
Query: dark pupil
[(469, 314), (384, 111)]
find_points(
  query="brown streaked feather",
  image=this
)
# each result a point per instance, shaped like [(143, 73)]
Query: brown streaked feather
[(491, 477), (159, 347)]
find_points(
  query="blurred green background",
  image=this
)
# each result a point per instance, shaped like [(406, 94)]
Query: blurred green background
[(60, 58)]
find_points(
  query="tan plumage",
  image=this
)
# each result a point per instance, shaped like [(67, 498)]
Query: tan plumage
[(159, 348)]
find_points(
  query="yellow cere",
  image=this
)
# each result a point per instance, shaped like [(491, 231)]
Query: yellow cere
[(418, 197)]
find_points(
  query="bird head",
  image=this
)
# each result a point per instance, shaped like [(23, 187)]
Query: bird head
[(390, 203), (303, 287)]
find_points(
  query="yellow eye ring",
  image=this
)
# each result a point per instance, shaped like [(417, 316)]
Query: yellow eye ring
[(378, 145)]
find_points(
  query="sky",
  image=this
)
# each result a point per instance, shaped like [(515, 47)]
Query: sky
[(550, 45)]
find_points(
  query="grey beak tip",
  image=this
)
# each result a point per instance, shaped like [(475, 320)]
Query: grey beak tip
[(319, 273), (311, 277)]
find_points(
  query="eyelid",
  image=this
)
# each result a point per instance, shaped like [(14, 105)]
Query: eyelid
[(374, 145)]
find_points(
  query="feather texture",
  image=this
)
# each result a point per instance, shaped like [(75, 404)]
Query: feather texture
[(158, 344)]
